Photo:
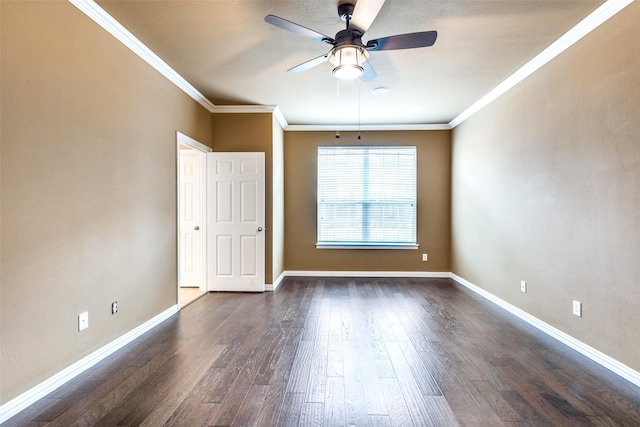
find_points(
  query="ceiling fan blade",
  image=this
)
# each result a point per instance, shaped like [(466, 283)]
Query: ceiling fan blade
[(369, 73), (309, 64), (364, 13), (403, 41), (297, 29)]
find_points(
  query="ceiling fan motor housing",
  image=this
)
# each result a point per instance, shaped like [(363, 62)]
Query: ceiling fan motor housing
[(348, 37)]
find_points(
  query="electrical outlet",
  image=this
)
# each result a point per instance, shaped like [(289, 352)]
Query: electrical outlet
[(425, 257), (523, 286), (114, 307), (83, 321), (577, 308)]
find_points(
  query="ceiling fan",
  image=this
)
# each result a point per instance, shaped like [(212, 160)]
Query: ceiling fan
[(349, 54)]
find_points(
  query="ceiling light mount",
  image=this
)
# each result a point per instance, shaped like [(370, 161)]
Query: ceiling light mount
[(345, 11), (381, 90)]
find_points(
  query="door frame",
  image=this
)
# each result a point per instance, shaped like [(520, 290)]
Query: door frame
[(184, 140)]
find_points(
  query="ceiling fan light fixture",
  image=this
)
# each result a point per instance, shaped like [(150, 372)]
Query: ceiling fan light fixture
[(347, 72), (347, 61)]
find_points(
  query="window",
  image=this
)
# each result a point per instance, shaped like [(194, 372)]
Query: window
[(367, 197)]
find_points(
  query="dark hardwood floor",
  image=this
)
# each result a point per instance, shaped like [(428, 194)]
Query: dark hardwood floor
[(343, 352)]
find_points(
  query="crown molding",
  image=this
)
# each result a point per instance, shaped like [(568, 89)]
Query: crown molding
[(230, 109), (239, 109), (584, 27), (280, 118), (356, 128), (113, 27)]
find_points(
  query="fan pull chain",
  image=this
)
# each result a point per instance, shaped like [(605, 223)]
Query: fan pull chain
[(359, 103), (337, 108)]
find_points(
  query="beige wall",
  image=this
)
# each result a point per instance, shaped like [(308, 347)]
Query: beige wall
[(434, 178), (546, 188), (253, 132), (88, 166)]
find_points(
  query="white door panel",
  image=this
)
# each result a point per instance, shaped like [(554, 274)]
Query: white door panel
[(236, 221), (191, 248)]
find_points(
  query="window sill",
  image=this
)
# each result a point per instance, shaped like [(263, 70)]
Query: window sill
[(341, 245)]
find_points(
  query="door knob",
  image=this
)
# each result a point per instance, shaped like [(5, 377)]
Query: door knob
[(197, 227), (260, 229)]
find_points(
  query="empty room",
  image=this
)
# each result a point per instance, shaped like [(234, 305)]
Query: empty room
[(327, 213)]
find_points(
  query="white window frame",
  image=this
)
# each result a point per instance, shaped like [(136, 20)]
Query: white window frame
[(326, 244)]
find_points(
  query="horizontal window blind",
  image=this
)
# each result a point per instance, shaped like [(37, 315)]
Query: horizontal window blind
[(366, 195)]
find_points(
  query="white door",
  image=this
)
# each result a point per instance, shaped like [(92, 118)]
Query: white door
[(236, 229), (190, 212)]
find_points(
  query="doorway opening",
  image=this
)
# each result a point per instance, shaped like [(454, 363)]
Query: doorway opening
[(191, 227)]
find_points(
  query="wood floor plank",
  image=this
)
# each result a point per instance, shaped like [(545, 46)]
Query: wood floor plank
[(413, 396), (177, 392), (474, 409), (374, 397), (603, 421), (399, 414), (316, 387), (508, 406), (291, 410), (379, 421), (311, 324), (199, 414), (230, 353), (335, 362), (334, 407), (312, 415), (440, 411), (419, 370), (272, 344), (274, 399), (299, 378), (249, 411), (241, 363), (354, 393), (241, 385)]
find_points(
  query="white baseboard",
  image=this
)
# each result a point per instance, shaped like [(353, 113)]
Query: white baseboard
[(307, 273), (276, 282), (29, 397), (600, 358)]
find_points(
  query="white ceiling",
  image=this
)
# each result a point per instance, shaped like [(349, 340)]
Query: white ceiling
[(226, 50)]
